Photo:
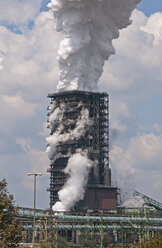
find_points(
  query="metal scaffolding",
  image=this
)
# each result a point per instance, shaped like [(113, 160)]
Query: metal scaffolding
[(95, 140)]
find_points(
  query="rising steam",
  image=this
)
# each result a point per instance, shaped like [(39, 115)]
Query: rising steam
[(60, 134), (89, 27), (77, 169)]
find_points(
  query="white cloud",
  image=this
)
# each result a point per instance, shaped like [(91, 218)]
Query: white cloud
[(123, 173), (143, 154), (158, 127), (45, 132), (119, 126), (136, 68), (13, 109), (30, 59), (154, 27), (37, 161), (19, 12), (119, 110)]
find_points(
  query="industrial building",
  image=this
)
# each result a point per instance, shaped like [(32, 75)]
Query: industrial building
[(98, 216), (100, 195), (129, 225)]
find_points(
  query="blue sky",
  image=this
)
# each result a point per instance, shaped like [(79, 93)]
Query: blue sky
[(150, 6), (147, 6), (29, 71)]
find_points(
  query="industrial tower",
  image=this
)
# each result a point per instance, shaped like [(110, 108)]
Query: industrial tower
[(99, 193)]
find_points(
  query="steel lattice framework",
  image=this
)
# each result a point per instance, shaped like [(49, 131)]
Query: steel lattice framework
[(95, 141)]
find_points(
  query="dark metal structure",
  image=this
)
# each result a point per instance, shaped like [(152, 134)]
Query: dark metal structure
[(95, 139)]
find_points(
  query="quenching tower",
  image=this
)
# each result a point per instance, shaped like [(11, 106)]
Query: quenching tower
[(99, 193)]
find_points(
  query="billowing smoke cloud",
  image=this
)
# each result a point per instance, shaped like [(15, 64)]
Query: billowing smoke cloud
[(89, 27), (77, 169)]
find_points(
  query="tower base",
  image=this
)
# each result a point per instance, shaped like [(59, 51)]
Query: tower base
[(99, 198)]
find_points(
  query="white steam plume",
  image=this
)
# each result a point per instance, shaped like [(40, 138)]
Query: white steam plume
[(134, 202), (77, 169), (89, 27), (59, 135)]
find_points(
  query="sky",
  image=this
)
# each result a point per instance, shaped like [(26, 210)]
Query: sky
[(29, 71)]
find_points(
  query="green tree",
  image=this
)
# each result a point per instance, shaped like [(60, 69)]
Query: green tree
[(151, 243), (10, 231)]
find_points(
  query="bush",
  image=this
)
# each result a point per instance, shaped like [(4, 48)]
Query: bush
[(151, 243), (10, 231)]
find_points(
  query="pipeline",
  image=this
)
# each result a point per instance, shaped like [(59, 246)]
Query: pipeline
[(97, 227), (110, 219)]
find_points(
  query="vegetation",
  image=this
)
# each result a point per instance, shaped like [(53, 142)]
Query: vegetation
[(108, 242), (61, 243), (87, 239), (10, 231), (151, 243)]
